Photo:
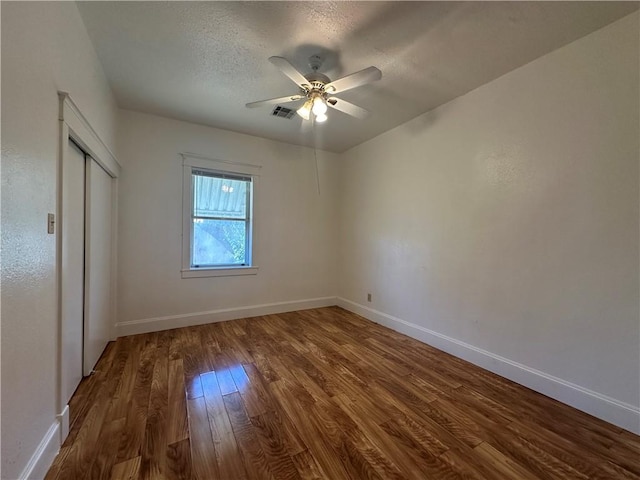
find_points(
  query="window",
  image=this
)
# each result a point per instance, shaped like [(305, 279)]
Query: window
[(220, 220), (217, 223)]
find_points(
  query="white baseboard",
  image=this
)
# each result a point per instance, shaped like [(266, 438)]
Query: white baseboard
[(156, 324), (42, 458), (606, 408), (63, 421)]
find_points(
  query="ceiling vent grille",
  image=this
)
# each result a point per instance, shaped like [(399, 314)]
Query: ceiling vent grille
[(283, 112)]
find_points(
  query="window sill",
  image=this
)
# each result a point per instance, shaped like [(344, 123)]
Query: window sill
[(219, 272)]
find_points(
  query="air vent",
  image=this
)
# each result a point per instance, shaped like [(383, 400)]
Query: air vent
[(283, 112)]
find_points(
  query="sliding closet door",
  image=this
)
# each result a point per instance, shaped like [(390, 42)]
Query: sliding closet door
[(72, 279), (98, 318)]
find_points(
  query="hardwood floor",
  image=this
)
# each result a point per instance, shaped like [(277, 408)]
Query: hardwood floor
[(321, 394)]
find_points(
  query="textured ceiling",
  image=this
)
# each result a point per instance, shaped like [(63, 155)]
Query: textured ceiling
[(202, 61)]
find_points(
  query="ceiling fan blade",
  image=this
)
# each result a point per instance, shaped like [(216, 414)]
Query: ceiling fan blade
[(290, 71), (354, 80), (273, 101), (348, 108)]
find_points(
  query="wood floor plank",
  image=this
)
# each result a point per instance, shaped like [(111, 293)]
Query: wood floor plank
[(109, 438), (153, 452), (262, 362), (86, 441), (342, 447), (561, 448), (307, 466), (257, 398), (193, 385), (318, 445), (227, 453), (127, 470), (237, 349), (469, 466), (136, 420), (502, 463), (372, 456), (274, 445), (255, 461), (541, 463), (405, 466), (412, 433), (179, 460), (90, 387), (275, 421), (428, 462), (225, 380), (194, 359), (471, 400), (178, 427), (124, 391), (203, 453), (321, 394)]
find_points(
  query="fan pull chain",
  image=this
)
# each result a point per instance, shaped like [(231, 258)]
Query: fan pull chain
[(315, 156), (315, 152)]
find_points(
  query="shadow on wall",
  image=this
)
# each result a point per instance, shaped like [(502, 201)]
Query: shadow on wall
[(421, 123)]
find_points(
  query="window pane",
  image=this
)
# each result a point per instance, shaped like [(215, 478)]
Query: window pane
[(219, 197), (219, 242)]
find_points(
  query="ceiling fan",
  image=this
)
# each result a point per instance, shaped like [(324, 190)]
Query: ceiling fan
[(318, 90)]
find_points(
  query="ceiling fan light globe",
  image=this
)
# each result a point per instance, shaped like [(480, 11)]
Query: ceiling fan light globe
[(319, 106), (303, 113), (305, 110), (321, 118)]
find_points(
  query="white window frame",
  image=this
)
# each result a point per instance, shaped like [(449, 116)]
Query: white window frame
[(197, 162)]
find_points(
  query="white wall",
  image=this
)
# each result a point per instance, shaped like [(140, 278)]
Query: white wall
[(45, 48), (505, 221), (294, 226), (504, 225)]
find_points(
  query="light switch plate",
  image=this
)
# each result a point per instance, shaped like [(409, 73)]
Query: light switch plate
[(51, 223)]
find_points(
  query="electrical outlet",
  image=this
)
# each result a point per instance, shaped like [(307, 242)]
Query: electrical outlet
[(368, 297)]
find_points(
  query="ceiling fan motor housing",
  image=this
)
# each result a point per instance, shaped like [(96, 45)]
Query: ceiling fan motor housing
[(316, 90), (315, 62), (316, 79)]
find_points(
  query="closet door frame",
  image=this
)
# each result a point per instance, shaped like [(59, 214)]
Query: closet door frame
[(75, 126)]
